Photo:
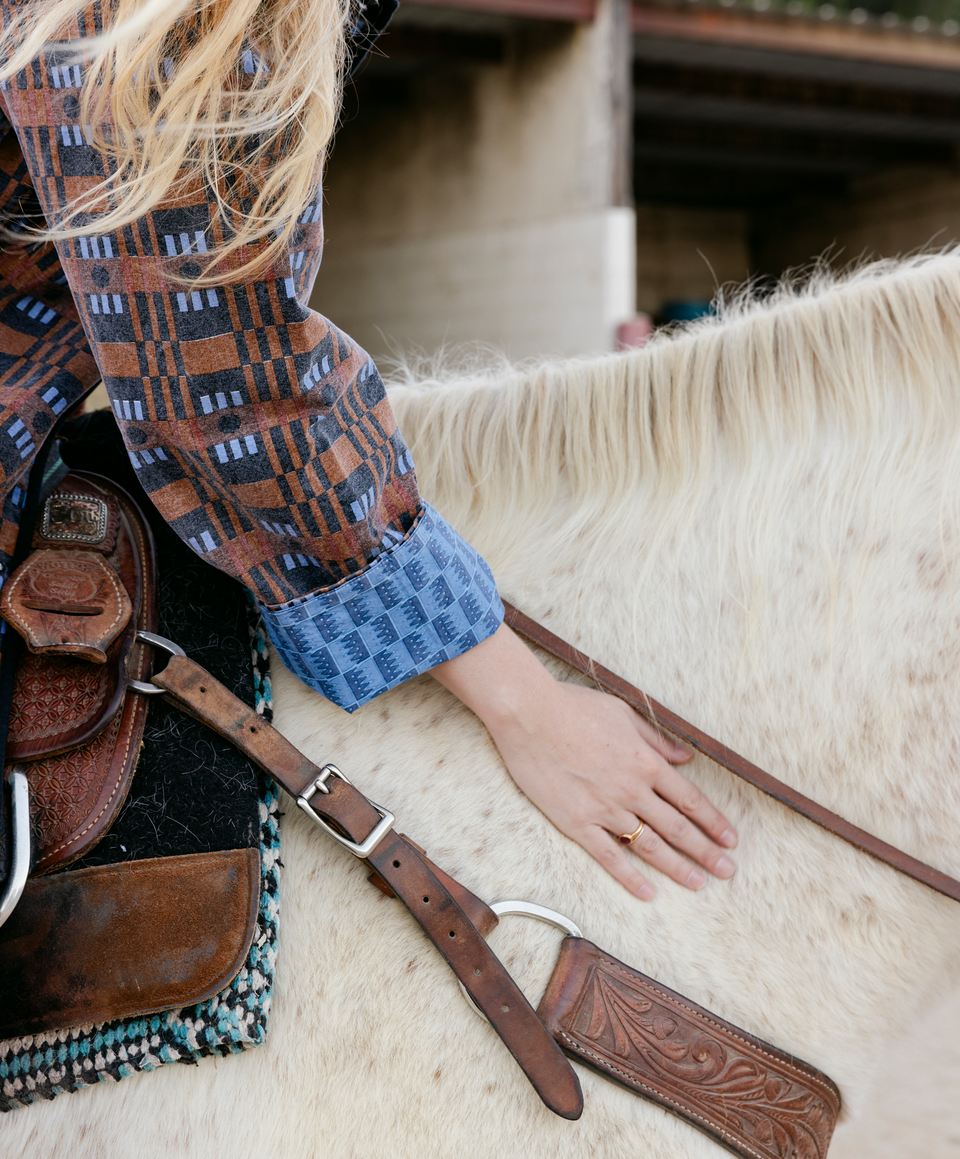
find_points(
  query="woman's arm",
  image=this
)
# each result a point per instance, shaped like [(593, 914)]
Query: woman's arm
[(264, 436), (593, 766)]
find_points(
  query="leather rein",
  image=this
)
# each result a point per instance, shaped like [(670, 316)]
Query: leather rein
[(663, 718), (801, 1101)]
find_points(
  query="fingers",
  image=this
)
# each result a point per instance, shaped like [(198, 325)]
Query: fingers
[(617, 861), (595, 768), (672, 844), (684, 833), (668, 841), (652, 848), (623, 862), (674, 788), (667, 746)]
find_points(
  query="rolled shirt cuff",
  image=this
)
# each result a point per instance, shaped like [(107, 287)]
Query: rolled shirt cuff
[(426, 600)]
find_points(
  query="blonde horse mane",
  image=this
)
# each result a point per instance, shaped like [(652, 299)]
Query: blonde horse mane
[(868, 360)]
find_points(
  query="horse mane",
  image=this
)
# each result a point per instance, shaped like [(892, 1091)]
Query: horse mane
[(868, 360)]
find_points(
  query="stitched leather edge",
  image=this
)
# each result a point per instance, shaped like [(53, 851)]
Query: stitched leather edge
[(121, 778), (658, 1095), (144, 619), (753, 1044)]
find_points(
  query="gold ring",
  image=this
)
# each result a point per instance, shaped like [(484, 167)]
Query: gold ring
[(629, 838)]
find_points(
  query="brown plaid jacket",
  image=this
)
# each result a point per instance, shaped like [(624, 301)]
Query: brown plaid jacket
[(260, 431)]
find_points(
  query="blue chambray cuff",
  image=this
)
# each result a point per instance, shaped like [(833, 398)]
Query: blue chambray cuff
[(426, 600)]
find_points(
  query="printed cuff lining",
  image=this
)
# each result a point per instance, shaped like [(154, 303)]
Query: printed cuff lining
[(429, 599)]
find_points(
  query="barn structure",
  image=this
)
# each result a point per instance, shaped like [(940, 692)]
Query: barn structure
[(533, 173)]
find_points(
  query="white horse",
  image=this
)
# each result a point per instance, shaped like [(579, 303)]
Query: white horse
[(758, 522)]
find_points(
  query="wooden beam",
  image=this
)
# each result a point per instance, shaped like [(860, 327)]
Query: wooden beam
[(564, 11), (709, 109), (409, 42), (794, 34)]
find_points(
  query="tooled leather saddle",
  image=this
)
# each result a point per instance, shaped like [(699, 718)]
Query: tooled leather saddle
[(114, 892), (78, 601)]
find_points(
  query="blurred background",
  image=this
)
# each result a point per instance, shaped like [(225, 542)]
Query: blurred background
[(556, 176)]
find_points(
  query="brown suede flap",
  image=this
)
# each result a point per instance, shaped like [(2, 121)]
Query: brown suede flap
[(113, 941)]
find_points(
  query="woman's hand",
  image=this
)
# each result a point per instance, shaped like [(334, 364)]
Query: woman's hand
[(593, 766)]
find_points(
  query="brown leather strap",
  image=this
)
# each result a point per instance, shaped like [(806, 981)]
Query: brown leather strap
[(746, 1094), (663, 718), (439, 909)]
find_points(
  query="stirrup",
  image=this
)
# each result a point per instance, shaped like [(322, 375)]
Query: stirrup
[(20, 826)]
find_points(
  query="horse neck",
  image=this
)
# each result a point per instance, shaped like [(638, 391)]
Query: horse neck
[(785, 576), (746, 401)]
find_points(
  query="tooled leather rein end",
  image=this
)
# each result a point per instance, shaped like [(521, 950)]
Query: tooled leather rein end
[(366, 830), (663, 718), (752, 1098)]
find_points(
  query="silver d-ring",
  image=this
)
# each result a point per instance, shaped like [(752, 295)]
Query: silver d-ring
[(20, 854), (525, 909), (142, 686)]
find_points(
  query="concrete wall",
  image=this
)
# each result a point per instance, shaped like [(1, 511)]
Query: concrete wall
[(484, 201), (559, 286), (684, 254)]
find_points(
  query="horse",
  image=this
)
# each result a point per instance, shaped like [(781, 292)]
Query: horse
[(756, 519)]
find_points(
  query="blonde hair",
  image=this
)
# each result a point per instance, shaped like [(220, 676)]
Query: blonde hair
[(239, 95)]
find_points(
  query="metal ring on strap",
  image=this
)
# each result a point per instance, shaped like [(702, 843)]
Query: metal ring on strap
[(143, 686), (20, 859), (526, 909)]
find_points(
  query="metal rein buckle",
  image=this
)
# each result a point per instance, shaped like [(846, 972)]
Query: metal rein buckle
[(379, 831), (362, 849)]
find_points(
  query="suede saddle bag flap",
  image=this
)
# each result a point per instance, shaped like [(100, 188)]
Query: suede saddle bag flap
[(116, 940)]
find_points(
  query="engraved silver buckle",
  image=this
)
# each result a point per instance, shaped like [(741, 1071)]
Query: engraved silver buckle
[(362, 849), (74, 519)]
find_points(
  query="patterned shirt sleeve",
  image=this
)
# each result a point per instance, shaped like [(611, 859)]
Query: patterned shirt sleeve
[(260, 431)]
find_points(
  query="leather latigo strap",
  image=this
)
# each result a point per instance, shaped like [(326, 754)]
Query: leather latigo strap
[(439, 904), (746, 1094), (670, 722)]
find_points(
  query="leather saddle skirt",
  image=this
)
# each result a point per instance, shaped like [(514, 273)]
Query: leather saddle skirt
[(78, 601), (154, 907)]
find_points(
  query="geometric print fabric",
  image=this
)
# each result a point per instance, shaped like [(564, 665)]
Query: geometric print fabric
[(260, 431), (425, 601)]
